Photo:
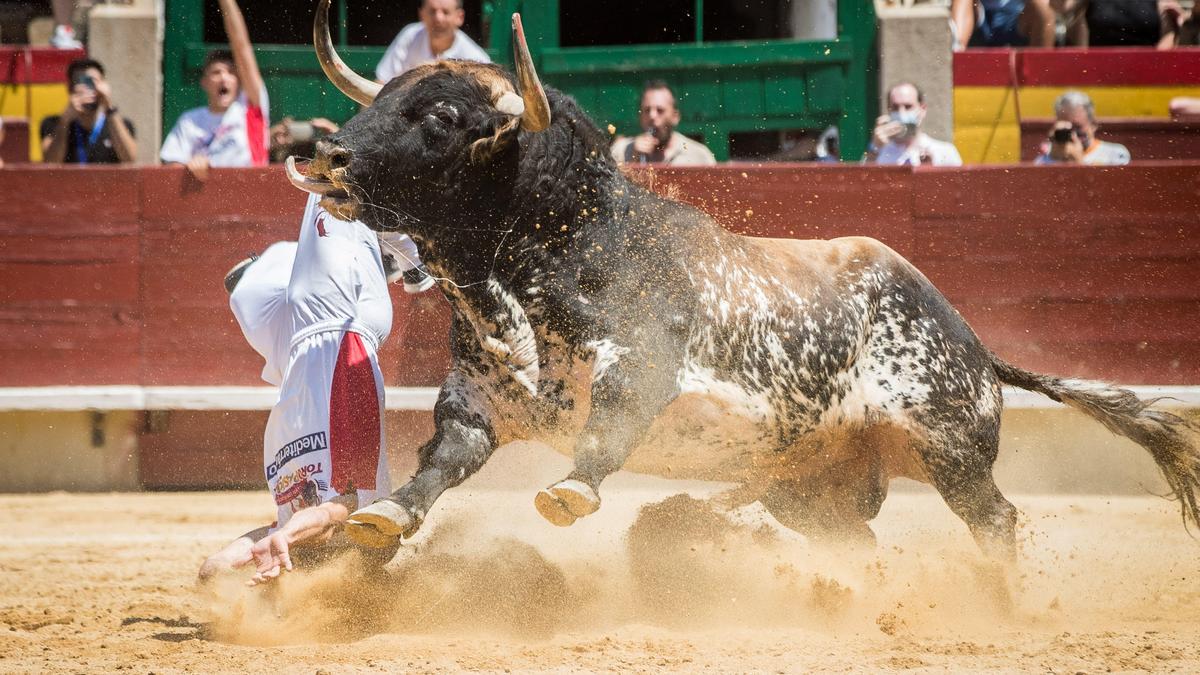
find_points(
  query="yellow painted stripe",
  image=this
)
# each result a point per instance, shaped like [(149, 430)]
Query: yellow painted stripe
[(43, 100), (1110, 101), (985, 125)]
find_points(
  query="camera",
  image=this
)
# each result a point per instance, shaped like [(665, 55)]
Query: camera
[(302, 132), (89, 82), (1063, 135)]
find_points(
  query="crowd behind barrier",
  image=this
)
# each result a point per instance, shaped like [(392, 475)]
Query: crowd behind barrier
[(235, 127)]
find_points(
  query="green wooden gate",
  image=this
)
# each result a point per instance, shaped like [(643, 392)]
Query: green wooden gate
[(724, 87)]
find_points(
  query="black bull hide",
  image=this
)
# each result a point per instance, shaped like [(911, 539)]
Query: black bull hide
[(629, 330)]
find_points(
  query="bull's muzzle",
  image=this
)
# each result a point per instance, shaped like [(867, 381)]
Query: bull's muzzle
[(327, 176)]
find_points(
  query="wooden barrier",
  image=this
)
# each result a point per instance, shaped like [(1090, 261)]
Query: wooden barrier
[(113, 275)]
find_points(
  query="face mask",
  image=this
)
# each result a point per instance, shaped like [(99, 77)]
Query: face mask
[(909, 118)]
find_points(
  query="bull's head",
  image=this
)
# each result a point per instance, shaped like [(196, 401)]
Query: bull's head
[(443, 126)]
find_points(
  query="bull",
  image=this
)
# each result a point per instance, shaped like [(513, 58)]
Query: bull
[(629, 330)]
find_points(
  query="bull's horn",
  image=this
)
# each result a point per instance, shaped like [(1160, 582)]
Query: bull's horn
[(305, 183), (341, 75), (537, 109)]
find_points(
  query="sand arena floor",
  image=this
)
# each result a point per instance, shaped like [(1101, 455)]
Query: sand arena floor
[(104, 583)]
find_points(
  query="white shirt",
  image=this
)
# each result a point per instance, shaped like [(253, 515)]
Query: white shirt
[(684, 151), (1100, 153), (937, 153), (411, 49), (237, 137)]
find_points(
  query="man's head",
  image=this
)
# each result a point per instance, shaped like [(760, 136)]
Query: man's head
[(906, 105), (82, 76), (441, 17), (1077, 108), (78, 69), (219, 79), (658, 113)]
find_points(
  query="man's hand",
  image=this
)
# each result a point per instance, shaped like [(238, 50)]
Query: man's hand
[(324, 126), (306, 527), (103, 94), (198, 166), (80, 97), (1071, 151), (646, 145), (271, 556), (885, 130)]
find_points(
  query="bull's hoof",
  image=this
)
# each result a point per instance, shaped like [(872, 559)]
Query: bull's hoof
[(566, 501), (379, 525)]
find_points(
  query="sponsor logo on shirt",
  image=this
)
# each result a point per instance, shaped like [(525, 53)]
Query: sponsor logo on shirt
[(301, 446), (301, 484), (321, 225)]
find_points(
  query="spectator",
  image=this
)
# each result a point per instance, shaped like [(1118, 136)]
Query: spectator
[(898, 139), (1185, 109), (290, 137), (1107, 23), (1001, 23), (64, 29), (90, 129), (232, 129), (1073, 137), (659, 142), (436, 36), (1179, 28)]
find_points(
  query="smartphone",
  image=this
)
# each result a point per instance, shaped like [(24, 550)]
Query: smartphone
[(89, 82)]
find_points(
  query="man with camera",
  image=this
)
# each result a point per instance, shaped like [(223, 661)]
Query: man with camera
[(1073, 136), (898, 139), (298, 137), (658, 116), (90, 130)]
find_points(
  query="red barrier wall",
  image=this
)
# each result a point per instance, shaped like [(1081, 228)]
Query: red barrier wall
[(113, 275)]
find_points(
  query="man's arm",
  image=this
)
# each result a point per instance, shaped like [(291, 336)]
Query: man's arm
[(315, 524), (962, 16), (118, 129), (243, 51), (123, 142), (54, 146)]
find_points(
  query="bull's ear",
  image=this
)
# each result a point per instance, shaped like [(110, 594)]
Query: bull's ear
[(496, 134)]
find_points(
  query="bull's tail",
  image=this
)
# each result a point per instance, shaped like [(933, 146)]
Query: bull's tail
[(1164, 435)]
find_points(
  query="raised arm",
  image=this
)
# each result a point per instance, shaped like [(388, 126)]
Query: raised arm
[(243, 51)]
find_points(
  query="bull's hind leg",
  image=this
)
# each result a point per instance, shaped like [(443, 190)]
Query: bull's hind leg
[(958, 460)]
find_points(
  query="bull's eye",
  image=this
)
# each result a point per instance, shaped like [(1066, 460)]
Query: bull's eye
[(446, 114)]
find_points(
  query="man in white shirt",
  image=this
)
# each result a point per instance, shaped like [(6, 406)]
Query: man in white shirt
[(898, 139), (232, 129), (436, 36), (658, 116), (1073, 136)]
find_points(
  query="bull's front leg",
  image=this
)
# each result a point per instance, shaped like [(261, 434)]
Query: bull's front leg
[(626, 398), (460, 446)]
